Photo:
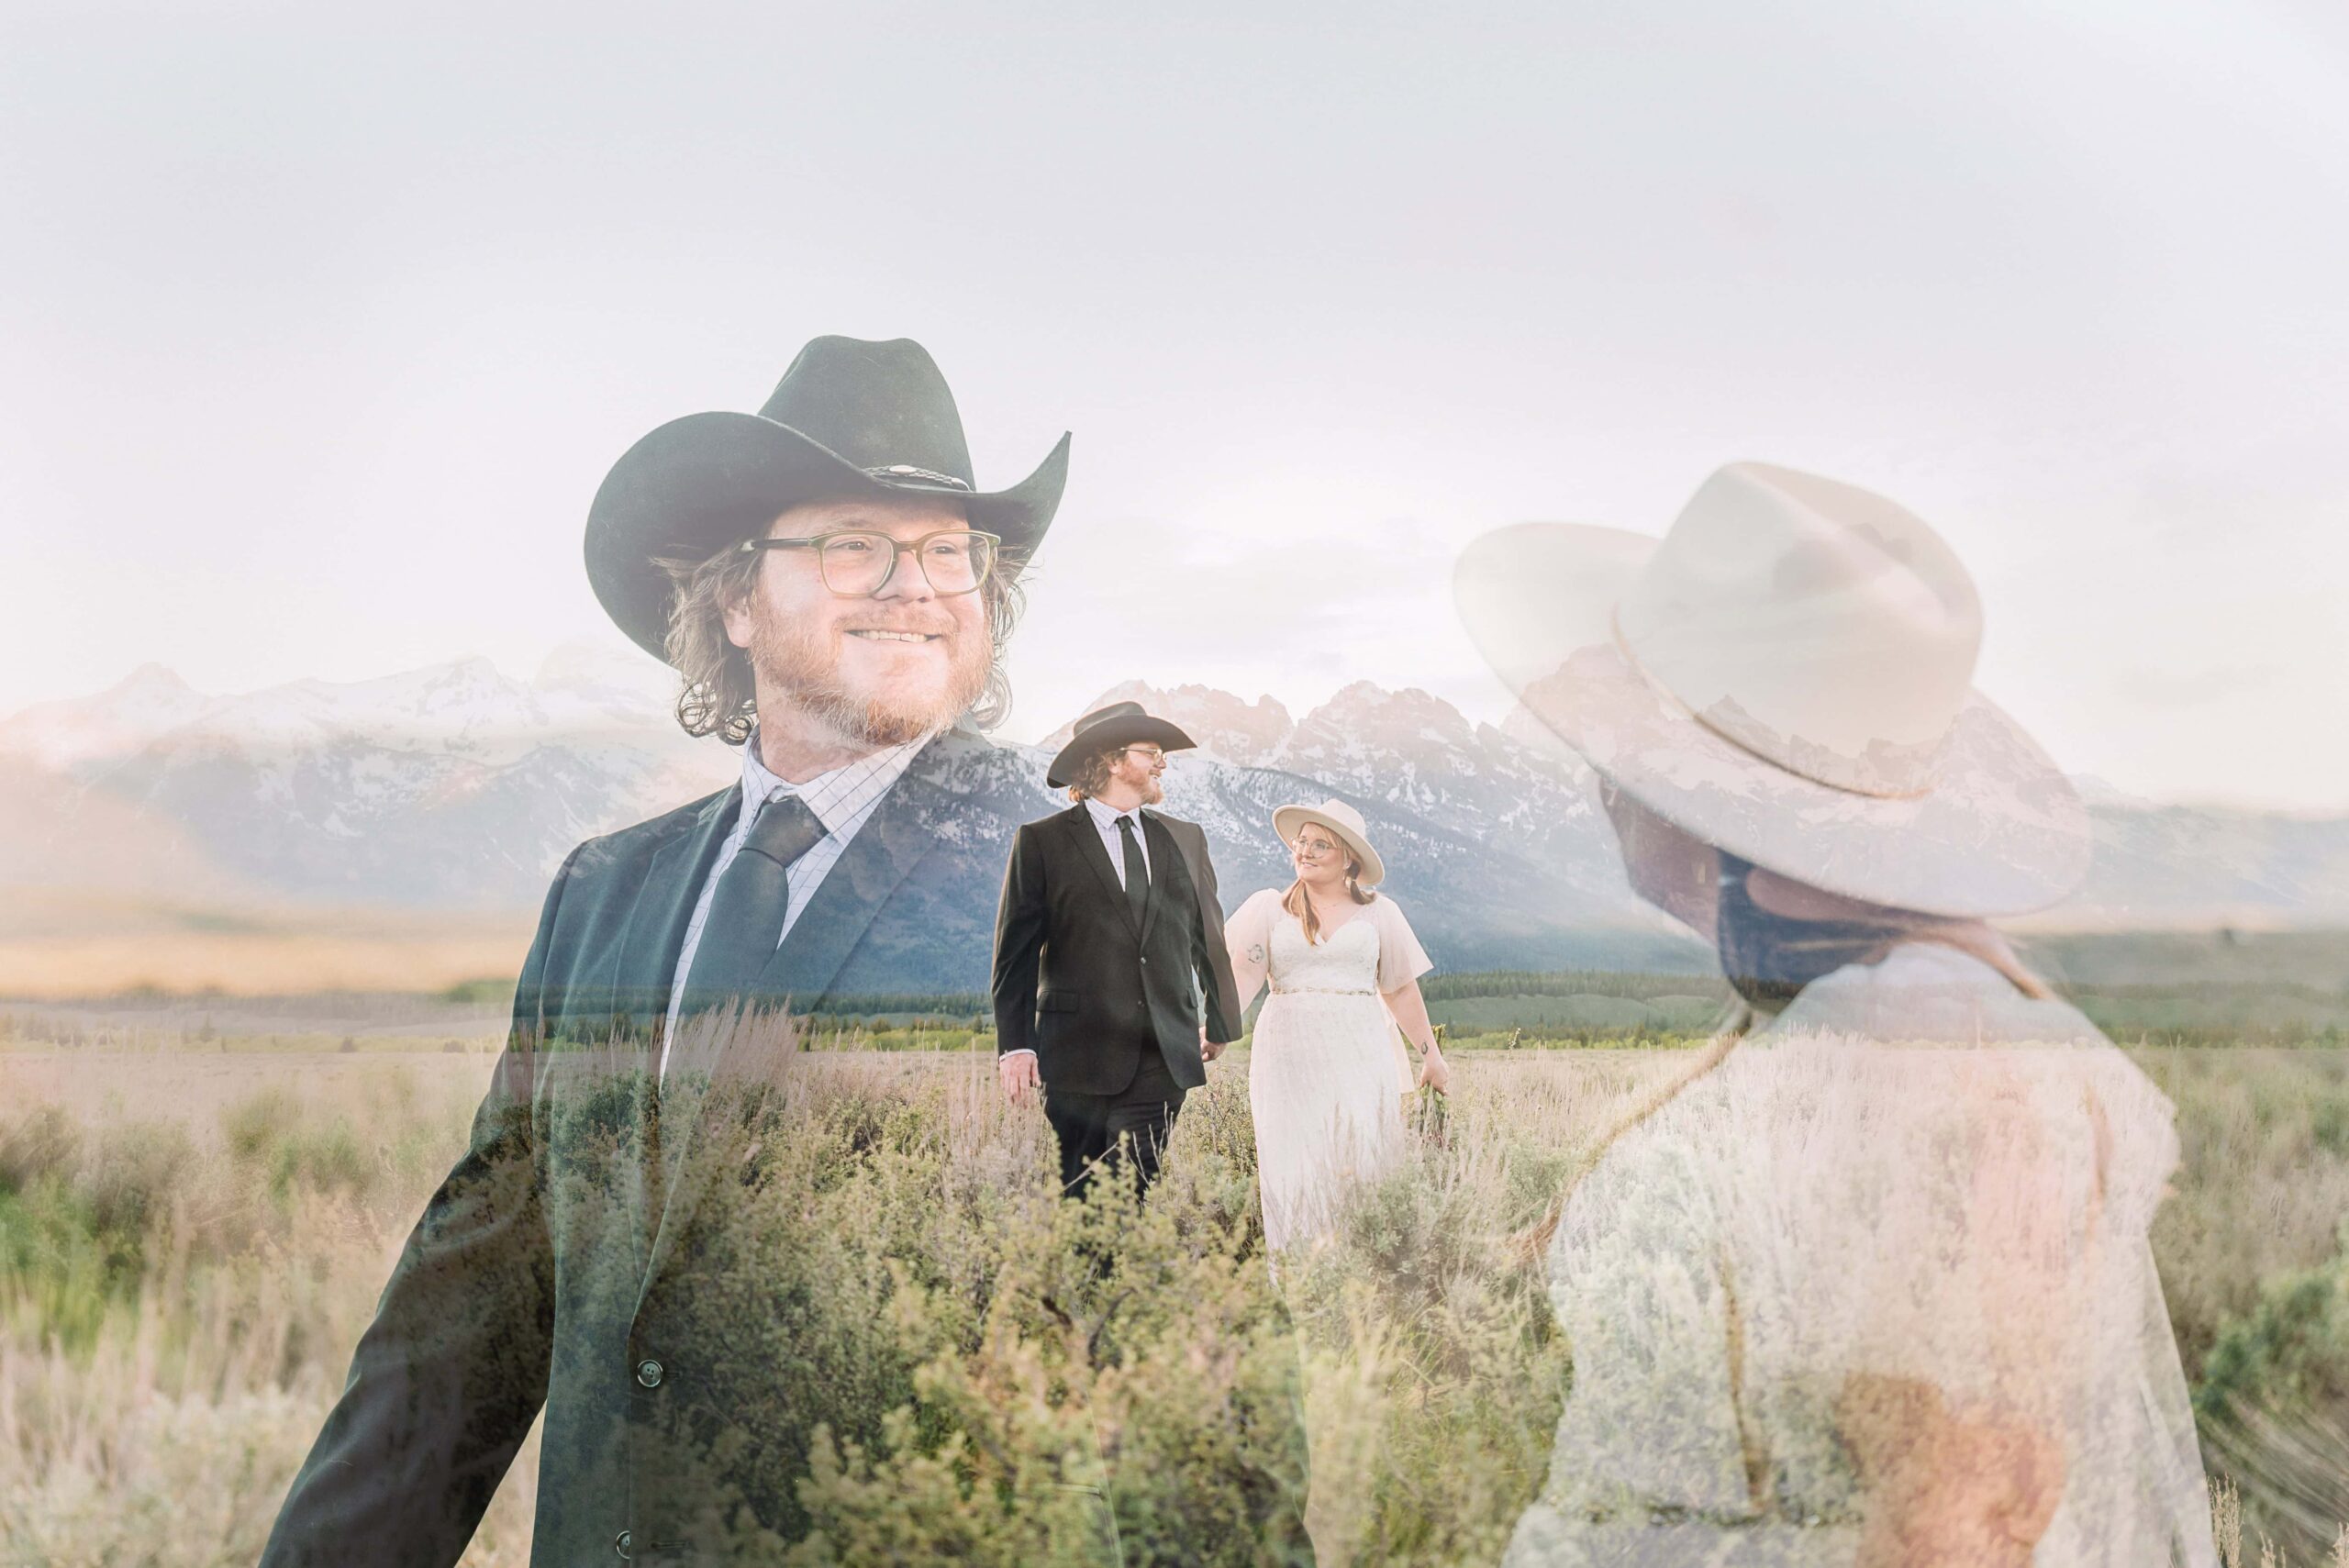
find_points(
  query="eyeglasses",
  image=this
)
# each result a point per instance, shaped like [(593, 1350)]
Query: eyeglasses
[(1315, 847), (858, 563), (1149, 753)]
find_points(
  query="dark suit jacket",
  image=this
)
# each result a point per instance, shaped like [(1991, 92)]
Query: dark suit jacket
[(556, 1264), (1082, 985)]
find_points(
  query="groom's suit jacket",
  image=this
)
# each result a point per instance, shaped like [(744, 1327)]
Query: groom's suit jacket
[(558, 1266), (1086, 988)]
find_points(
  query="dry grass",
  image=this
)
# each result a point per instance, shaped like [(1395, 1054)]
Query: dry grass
[(194, 1239), (57, 944)]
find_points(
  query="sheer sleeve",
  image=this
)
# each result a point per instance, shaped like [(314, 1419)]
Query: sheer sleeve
[(1249, 936), (1401, 959)]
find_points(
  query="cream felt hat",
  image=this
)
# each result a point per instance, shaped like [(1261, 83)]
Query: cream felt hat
[(1341, 820), (1787, 674)]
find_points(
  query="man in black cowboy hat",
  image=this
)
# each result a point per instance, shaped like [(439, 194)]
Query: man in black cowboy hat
[(834, 589), (1111, 982)]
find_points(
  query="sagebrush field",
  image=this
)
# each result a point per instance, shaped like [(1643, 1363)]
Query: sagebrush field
[(194, 1220)]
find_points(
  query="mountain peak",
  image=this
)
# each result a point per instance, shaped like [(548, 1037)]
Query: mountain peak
[(1362, 712), (149, 679), (148, 702)]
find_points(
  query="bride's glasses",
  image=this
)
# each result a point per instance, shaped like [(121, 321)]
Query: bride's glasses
[(1314, 848)]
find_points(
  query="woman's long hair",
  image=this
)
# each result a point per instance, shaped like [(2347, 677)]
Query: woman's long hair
[(1297, 904)]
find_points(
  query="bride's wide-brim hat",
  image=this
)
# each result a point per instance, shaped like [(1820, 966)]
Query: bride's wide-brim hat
[(1119, 724), (1788, 676), (1343, 821), (849, 417)]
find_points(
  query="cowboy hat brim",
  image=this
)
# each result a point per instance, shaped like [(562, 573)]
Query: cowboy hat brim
[(1288, 819), (2000, 832), (696, 485), (1131, 730)]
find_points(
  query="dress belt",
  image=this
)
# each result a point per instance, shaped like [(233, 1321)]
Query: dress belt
[(1320, 991)]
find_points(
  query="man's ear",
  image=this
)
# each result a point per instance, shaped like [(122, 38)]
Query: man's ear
[(741, 624)]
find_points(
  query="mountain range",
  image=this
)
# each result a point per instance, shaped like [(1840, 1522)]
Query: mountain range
[(458, 788)]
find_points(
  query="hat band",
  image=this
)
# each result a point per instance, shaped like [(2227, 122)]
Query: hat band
[(1889, 770), (895, 471)]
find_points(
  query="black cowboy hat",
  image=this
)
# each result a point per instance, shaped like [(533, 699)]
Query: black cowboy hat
[(1105, 728), (848, 416)]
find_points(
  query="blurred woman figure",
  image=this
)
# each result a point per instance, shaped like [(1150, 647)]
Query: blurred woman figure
[(1343, 967), (1869, 1283)]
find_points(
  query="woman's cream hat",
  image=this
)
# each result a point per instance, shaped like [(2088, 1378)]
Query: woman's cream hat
[(1788, 676), (1341, 820)]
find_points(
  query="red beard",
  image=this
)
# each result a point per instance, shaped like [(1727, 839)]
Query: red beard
[(805, 667)]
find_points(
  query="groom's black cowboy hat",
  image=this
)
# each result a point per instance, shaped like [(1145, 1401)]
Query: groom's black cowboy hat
[(1106, 728), (848, 417)]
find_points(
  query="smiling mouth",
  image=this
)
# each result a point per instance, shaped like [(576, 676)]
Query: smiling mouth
[(875, 634)]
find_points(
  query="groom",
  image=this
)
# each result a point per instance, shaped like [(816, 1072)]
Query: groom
[(1108, 940), (834, 591)]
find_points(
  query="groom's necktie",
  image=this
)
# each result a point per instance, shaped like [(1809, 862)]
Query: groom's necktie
[(1137, 872), (745, 922)]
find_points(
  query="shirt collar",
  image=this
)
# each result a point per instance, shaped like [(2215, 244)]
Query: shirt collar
[(1107, 819), (833, 805)]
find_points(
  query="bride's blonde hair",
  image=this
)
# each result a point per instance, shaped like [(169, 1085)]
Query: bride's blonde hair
[(1296, 902)]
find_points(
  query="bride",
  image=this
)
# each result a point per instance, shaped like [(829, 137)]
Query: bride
[(1322, 1080)]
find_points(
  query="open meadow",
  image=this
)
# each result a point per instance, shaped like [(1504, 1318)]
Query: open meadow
[(199, 1200)]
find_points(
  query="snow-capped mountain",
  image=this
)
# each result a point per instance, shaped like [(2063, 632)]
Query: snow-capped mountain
[(456, 787), (449, 786)]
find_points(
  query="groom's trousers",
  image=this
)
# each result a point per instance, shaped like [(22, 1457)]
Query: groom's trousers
[(1090, 1126)]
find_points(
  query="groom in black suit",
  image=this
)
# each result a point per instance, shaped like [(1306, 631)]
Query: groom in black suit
[(1111, 982), (833, 590)]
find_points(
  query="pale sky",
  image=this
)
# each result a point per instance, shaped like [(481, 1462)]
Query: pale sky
[(319, 325)]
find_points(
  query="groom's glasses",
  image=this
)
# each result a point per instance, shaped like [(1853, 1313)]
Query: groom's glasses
[(857, 563)]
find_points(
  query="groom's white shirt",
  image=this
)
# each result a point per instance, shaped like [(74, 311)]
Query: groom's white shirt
[(1105, 822)]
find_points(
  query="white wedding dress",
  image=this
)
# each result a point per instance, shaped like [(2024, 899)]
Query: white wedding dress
[(1326, 1075), (1915, 1180)]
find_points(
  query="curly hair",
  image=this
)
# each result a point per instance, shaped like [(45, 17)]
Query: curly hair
[(1091, 776), (719, 694)]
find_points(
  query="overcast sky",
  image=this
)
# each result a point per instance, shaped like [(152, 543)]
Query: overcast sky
[(319, 325)]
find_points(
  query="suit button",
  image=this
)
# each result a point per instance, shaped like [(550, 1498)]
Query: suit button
[(647, 1373), (620, 1543)]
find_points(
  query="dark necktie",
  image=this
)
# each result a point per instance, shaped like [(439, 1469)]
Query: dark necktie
[(1137, 874), (745, 922)]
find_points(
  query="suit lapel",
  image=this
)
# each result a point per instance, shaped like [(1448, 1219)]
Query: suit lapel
[(884, 852), (664, 906), (646, 970), (1097, 854)]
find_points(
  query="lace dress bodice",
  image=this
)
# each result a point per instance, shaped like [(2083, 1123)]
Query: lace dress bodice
[(1342, 963)]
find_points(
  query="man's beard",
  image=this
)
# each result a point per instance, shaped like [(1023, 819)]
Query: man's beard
[(1152, 792), (795, 661)]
